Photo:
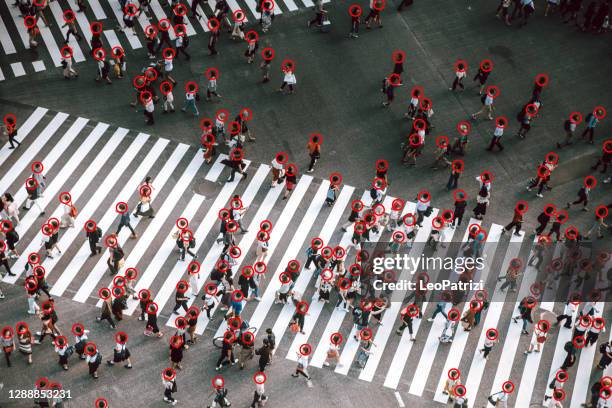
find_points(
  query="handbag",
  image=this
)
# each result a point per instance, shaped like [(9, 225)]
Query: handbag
[(491, 400), (121, 263), (295, 327)]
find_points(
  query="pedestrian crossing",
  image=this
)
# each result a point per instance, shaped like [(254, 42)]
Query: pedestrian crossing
[(15, 42), (101, 165)]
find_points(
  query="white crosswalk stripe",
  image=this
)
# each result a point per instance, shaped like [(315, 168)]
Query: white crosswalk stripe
[(78, 154), (315, 306), (461, 336), (105, 222), (101, 267), (5, 40), (403, 351), (53, 37)]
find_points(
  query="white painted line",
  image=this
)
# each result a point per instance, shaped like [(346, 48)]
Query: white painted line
[(308, 3), (252, 5), (585, 365), (54, 155), (82, 183), (163, 253), (513, 334), (58, 181), (38, 66), (335, 321), (207, 224), (390, 315), (276, 235), (216, 169), (97, 9), (105, 222), (23, 130), (162, 177), (83, 23), (112, 39), (19, 23), (160, 14), (132, 39), (5, 40), (290, 4), (165, 210), (18, 69), (200, 234), (1, 75), (102, 190), (203, 20), (32, 151), (50, 43), (532, 364), (400, 401), (400, 358), (58, 15), (315, 306), (352, 345), (461, 336)]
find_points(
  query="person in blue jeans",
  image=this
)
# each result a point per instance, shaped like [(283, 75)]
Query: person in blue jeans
[(440, 308)]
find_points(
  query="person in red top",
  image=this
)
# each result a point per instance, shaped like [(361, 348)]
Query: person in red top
[(517, 222)]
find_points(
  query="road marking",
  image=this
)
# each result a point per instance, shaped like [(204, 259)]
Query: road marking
[(162, 177), (106, 221), (400, 358), (23, 131), (38, 66), (399, 399), (315, 307)]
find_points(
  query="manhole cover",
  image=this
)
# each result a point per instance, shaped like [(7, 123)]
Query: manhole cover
[(207, 188)]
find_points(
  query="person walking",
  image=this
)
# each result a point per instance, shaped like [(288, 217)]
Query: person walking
[(106, 312), (94, 235), (583, 198), (288, 79), (355, 13), (265, 66), (569, 125), (93, 359), (124, 220), (460, 73), (488, 103), (144, 207), (8, 344), (10, 130), (517, 219), (500, 125), (314, 151), (169, 384), (121, 352), (190, 99), (591, 121), (211, 86)]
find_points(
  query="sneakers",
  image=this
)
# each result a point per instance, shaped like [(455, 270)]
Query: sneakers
[(430, 319)]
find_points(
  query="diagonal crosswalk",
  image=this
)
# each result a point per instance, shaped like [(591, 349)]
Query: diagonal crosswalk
[(14, 37), (101, 165)]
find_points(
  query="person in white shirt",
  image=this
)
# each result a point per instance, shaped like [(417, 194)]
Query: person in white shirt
[(288, 79), (168, 66), (488, 104), (149, 108), (302, 366), (190, 102), (166, 88), (9, 211), (421, 207), (460, 73)]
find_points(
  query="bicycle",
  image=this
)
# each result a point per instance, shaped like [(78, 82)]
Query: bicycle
[(218, 341)]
